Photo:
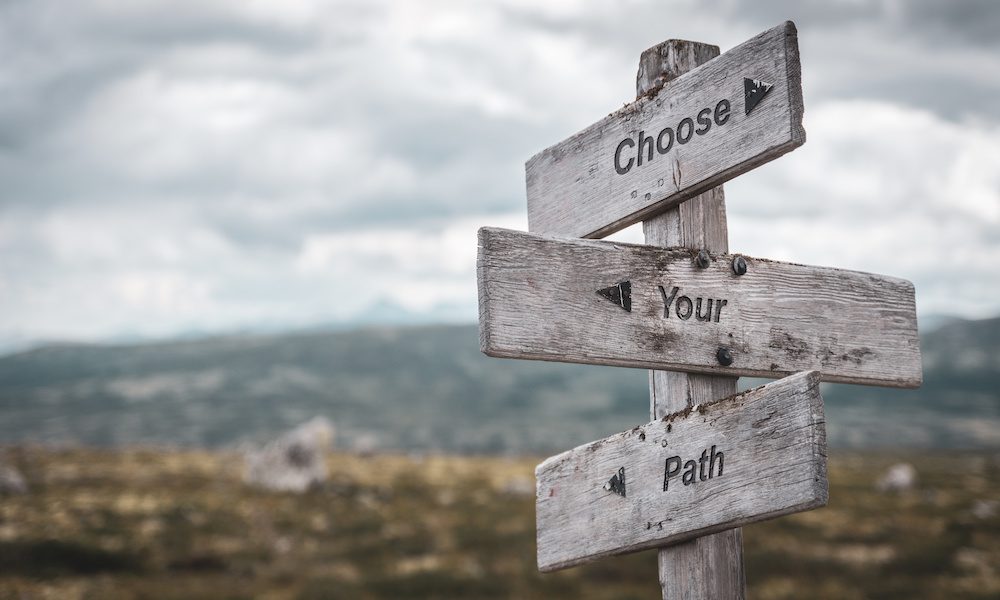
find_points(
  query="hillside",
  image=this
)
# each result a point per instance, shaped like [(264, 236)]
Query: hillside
[(429, 388)]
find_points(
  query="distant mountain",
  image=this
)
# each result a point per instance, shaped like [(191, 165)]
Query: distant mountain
[(429, 388), (934, 321), (958, 404)]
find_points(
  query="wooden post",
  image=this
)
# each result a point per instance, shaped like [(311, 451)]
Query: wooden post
[(709, 567)]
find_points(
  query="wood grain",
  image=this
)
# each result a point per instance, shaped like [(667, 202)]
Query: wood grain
[(538, 300), (770, 445), (574, 189)]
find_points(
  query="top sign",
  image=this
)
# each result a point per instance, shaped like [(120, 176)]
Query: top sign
[(731, 114)]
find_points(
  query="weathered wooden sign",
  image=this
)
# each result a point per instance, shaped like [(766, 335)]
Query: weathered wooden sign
[(747, 458), (608, 303), (705, 127)]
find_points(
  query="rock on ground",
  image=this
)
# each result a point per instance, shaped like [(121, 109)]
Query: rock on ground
[(900, 477), (294, 462), (985, 509), (11, 481)]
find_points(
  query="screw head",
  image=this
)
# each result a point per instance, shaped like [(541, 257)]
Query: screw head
[(703, 259), (739, 265), (724, 356)]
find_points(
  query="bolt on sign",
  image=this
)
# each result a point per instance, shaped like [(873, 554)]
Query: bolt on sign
[(630, 305), (750, 457), (732, 114)]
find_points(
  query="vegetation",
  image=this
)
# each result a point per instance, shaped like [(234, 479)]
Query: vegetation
[(181, 524)]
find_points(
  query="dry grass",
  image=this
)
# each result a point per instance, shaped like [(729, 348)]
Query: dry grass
[(152, 524)]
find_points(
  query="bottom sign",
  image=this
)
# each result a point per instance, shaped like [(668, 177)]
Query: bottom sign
[(753, 456)]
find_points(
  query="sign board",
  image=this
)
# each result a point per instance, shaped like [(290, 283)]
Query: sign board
[(628, 305), (753, 456), (731, 114)]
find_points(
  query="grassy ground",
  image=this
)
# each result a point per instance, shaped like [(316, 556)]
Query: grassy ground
[(148, 524)]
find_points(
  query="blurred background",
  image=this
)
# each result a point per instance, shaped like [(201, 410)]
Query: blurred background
[(238, 350)]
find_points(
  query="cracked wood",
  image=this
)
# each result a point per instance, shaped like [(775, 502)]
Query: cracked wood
[(750, 457), (539, 299), (703, 128)]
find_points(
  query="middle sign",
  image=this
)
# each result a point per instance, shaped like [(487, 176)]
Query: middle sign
[(628, 305), (733, 113)]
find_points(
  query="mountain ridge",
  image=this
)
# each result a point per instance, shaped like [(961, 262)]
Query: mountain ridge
[(428, 388)]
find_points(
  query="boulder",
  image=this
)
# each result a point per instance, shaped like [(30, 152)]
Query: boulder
[(985, 509), (11, 481), (294, 462), (900, 477)]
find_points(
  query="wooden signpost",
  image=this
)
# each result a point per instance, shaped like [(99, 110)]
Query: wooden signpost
[(687, 481), (750, 457), (609, 303)]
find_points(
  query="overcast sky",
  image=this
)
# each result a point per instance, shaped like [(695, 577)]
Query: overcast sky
[(178, 166)]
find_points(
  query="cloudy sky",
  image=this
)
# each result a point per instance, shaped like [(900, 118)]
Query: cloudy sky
[(179, 166)]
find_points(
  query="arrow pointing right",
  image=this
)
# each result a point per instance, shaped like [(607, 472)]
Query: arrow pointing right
[(754, 91)]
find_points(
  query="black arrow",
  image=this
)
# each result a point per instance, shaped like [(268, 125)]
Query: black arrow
[(754, 91), (620, 294), (617, 483)]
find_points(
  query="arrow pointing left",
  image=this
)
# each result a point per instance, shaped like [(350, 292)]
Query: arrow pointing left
[(617, 483), (620, 294)]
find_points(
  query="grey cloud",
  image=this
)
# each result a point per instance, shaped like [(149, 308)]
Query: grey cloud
[(427, 137), (891, 50), (356, 126), (971, 22), (833, 15), (903, 52), (933, 22)]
